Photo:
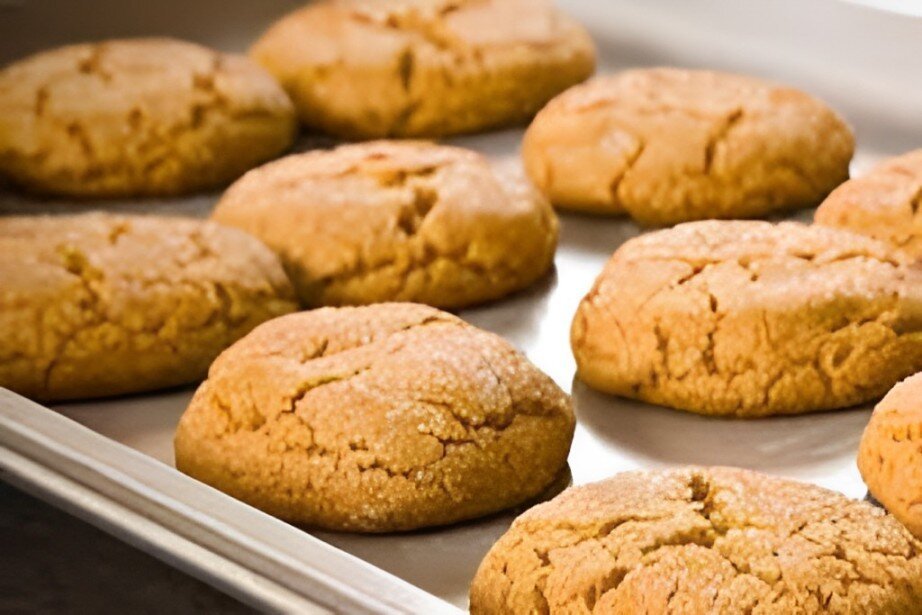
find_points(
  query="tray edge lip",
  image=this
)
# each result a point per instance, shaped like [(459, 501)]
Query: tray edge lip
[(111, 473), (61, 492)]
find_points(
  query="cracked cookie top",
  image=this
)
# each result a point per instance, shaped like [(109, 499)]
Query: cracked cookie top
[(426, 69), (396, 221), (890, 455), (98, 304), (751, 319), (701, 540), (886, 203), (379, 418), (137, 117), (669, 145)]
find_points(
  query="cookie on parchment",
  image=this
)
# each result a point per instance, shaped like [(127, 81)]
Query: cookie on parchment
[(396, 221), (691, 541), (431, 68), (669, 145), (749, 318), (137, 117), (886, 203), (96, 305), (373, 419), (890, 457)]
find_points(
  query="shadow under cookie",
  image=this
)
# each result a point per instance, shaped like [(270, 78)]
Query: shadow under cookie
[(419, 556), (664, 436), (376, 419)]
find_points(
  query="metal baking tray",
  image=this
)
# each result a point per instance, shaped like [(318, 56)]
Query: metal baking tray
[(110, 461)]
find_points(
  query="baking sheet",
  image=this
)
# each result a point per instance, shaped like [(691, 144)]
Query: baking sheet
[(611, 435), (864, 65)]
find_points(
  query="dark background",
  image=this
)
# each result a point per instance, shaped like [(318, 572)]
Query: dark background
[(51, 562)]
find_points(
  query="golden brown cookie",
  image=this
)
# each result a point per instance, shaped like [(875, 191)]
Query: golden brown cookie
[(695, 541), (890, 458), (885, 204), (379, 418), (97, 304), (668, 145), (423, 68), (396, 221), (750, 319), (137, 117)]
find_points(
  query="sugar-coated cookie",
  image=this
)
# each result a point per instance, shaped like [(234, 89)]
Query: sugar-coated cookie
[(396, 221), (748, 318), (423, 68), (669, 145), (886, 203), (137, 117), (376, 418), (890, 457), (692, 541), (97, 304)]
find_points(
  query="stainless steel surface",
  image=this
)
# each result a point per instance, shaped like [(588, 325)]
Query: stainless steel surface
[(860, 59), (612, 434)]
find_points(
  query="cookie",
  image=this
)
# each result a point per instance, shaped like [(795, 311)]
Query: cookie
[(885, 204), (96, 305), (701, 540), (373, 419), (137, 117), (423, 68), (669, 145), (890, 457), (749, 319), (396, 221)]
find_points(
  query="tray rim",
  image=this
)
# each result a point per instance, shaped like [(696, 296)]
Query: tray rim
[(260, 560)]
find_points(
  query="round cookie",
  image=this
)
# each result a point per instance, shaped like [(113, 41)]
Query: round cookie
[(885, 204), (701, 540), (423, 68), (747, 318), (97, 304), (378, 418), (396, 221), (669, 145), (137, 117), (890, 457)]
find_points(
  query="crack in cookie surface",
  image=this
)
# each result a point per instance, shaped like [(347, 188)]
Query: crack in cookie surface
[(386, 221), (701, 540), (408, 417), (438, 69), (670, 145), (100, 304), (750, 319), (143, 116)]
